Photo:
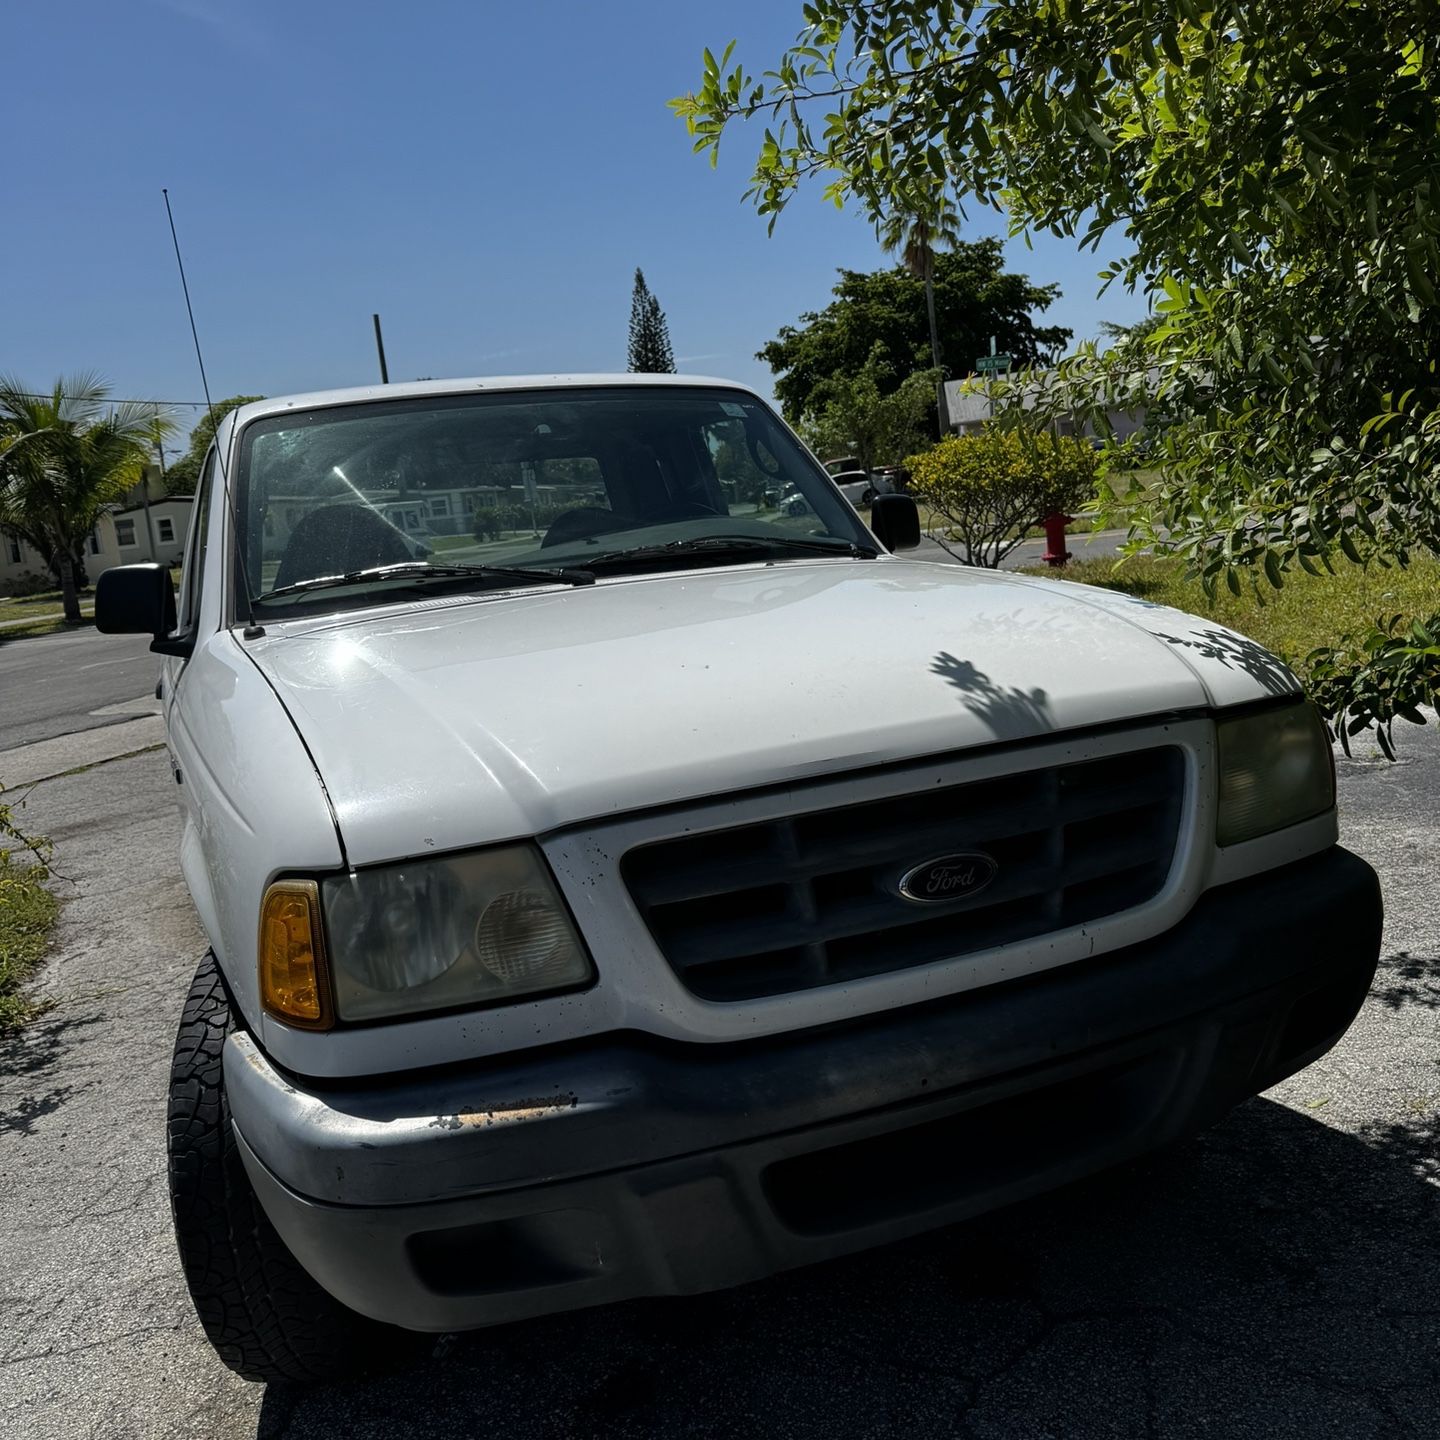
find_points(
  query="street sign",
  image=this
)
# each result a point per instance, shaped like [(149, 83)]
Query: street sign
[(993, 364)]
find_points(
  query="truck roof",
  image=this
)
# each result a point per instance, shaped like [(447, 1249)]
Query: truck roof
[(360, 394)]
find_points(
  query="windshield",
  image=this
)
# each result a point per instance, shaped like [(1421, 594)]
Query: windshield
[(362, 504)]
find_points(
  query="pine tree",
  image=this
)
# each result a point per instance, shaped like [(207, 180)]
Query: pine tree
[(650, 350)]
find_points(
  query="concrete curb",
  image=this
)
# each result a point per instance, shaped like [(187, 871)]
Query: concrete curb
[(45, 759)]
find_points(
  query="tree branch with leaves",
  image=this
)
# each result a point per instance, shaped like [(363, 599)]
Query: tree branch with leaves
[(1266, 172)]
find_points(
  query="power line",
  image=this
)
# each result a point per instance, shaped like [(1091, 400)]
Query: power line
[(111, 400)]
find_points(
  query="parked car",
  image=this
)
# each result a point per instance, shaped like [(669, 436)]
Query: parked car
[(692, 895), (860, 487)]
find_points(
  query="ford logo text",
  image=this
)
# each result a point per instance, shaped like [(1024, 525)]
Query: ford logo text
[(951, 877)]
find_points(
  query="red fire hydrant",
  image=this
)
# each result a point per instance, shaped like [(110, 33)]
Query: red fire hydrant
[(1055, 552)]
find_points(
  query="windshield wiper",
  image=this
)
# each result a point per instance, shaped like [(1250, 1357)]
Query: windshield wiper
[(419, 571), (732, 544)]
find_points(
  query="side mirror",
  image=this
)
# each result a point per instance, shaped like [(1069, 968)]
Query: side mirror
[(895, 521), (139, 600)]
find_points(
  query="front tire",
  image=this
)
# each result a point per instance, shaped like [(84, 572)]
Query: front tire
[(260, 1309)]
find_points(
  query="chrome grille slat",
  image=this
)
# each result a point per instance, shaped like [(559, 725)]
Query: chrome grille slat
[(812, 898)]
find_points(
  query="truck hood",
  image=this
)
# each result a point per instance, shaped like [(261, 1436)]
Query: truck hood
[(457, 722)]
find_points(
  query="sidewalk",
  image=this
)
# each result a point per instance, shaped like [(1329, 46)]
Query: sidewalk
[(42, 615)]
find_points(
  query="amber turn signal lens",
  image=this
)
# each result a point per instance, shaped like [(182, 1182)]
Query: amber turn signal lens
[(294, 985)]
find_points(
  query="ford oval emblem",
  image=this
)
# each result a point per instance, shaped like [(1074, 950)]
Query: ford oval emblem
[(951, 877)]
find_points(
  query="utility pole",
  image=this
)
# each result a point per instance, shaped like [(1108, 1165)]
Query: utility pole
[(380, 351)]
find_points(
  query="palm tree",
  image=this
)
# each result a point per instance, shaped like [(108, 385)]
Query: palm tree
[(64, 457), (915, 237)]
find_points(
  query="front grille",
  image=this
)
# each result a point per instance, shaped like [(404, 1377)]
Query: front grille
[(814, 899)]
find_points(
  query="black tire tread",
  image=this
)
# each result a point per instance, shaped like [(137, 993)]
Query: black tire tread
[(263, 1313)]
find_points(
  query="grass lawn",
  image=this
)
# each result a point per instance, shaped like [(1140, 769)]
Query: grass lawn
[(1309, 612), (27, 916), (26, 607), (44, 610)]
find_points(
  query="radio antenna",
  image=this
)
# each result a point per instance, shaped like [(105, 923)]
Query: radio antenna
[(209, 405)]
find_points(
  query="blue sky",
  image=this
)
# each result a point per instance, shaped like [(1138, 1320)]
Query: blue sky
[(485, 175)]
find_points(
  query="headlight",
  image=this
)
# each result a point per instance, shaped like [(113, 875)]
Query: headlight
[(1276, 770), (466, 930)]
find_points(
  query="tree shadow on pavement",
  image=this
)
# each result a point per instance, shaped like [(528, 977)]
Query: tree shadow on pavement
[(1273, 1278), (29, 1059), (1404, 979)]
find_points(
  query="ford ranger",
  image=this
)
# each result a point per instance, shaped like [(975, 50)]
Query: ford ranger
[(641, 887)]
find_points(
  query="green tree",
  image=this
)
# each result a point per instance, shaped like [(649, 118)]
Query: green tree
[(183, 474), (650, 350), (1266, 171), (915, 238), (66, 456), (856, 415), (974, 299), (989, 488)]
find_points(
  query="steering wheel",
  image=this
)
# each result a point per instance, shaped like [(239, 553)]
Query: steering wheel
[(580, 524)]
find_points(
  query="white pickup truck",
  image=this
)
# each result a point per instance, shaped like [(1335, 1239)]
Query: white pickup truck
[(655, 896)]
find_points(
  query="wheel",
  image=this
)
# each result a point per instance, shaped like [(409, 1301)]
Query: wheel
[(868, 498), (265, 1316)]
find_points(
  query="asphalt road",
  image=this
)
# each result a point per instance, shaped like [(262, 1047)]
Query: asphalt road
[(52, 684), (1091, 545), (1275, 1278)]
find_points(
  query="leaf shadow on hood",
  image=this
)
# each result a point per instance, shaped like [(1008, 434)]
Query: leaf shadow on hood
[(1009, 712)]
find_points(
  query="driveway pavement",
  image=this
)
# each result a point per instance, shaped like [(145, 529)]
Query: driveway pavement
[(1275, 1278)]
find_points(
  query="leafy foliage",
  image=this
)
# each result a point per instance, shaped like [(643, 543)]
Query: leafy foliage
[(991, 487), (66, 456), (27, 915), (650, 350), (1274, 169), (27, 912), (183, 475), (857, 415), (13, 838), (974, 299), (1372, 679)]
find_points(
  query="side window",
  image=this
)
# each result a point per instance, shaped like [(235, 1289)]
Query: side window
[(192, 574)]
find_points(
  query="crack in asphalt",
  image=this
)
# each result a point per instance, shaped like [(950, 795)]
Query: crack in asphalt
[(55, 1352)]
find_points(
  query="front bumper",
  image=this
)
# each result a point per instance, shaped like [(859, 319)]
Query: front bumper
[(594, 1172)]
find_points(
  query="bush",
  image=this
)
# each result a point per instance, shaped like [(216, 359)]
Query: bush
[(27, 914), (31, 582), (989, 488), (488, 524)]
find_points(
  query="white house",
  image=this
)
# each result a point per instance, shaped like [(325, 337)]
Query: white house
[(126, 533), (967, 404)]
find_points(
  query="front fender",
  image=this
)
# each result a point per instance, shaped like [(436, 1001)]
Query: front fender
[(255, 806)]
